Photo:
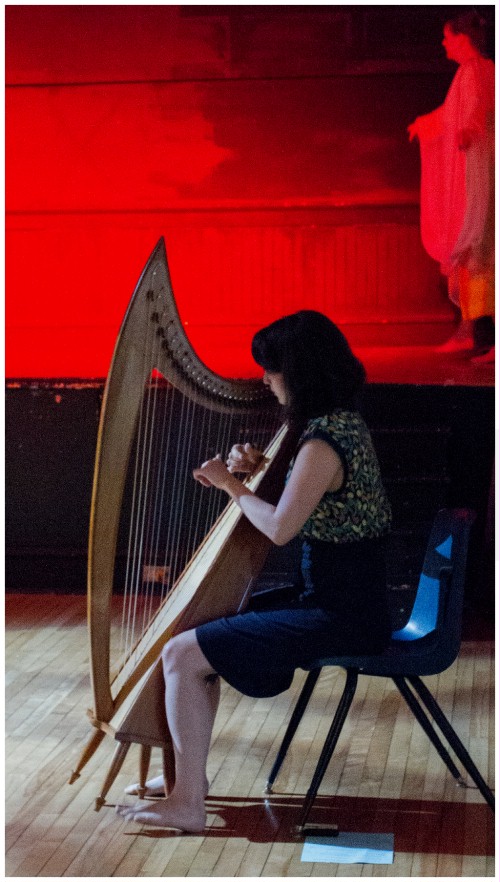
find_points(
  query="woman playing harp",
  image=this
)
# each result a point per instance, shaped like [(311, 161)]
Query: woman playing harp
[(335, 500)]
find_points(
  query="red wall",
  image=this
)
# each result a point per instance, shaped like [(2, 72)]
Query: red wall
[(278, 172)]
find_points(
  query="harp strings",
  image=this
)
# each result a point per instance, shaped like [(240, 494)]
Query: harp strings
[(157, 492), (201, 516), (171, 513), (183, 511), (142, 464), (175, 545)]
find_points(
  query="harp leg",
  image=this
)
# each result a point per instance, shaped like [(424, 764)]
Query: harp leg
[(88, 751), (144, 760), (168, 766), (116, 764)]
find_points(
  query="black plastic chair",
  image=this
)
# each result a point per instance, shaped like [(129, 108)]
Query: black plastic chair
[(428, 644)]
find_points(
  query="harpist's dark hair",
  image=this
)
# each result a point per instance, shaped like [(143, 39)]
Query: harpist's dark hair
[(320, 371)]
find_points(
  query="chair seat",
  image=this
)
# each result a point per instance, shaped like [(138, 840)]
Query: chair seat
[(422, 658)]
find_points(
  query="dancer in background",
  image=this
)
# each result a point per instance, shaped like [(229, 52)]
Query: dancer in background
[(457, 144)]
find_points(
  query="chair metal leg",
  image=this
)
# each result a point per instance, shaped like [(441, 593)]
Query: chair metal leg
[(427, 726), (453, 739), (295, 719), (330, 742)]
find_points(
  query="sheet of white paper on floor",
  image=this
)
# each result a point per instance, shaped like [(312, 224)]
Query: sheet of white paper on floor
[(350, 848)]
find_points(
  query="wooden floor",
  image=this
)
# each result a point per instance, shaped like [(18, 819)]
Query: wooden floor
[(385, 776)]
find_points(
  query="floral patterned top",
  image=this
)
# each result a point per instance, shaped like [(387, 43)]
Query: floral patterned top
[(360, 509)]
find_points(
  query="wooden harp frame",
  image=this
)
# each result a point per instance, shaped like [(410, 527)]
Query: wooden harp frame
[(219, 587)]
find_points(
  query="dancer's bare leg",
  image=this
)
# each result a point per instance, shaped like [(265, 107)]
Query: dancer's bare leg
[(461, 340), (156, 786), (190, 703)]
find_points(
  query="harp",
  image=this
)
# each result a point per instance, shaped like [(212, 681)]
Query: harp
[(165, 554)]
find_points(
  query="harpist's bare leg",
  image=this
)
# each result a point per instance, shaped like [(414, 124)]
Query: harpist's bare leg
[(156, 786), (190, 703)]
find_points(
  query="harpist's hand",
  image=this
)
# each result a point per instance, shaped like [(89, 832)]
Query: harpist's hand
[(212, 473), (245, 459)]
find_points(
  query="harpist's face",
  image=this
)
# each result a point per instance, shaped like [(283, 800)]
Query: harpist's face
[(276, 383)]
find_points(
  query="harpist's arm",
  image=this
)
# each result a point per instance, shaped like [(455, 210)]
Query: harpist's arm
[(317, 468)]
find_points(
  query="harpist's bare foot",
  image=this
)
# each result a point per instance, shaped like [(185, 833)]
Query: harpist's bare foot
[(154, 787), (166, 813)]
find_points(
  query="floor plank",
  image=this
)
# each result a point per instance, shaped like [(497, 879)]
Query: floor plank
[(384, 776)]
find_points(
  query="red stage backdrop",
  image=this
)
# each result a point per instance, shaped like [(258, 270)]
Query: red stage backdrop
[(268, 147)]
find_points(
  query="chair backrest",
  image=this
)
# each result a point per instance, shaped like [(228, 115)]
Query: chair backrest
[(439, 598), (430, 641)]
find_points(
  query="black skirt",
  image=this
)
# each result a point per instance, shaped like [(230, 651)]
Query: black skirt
[(337, 607)]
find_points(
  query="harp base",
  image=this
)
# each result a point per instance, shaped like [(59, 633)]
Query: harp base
[(87, 752), (116, 764)]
